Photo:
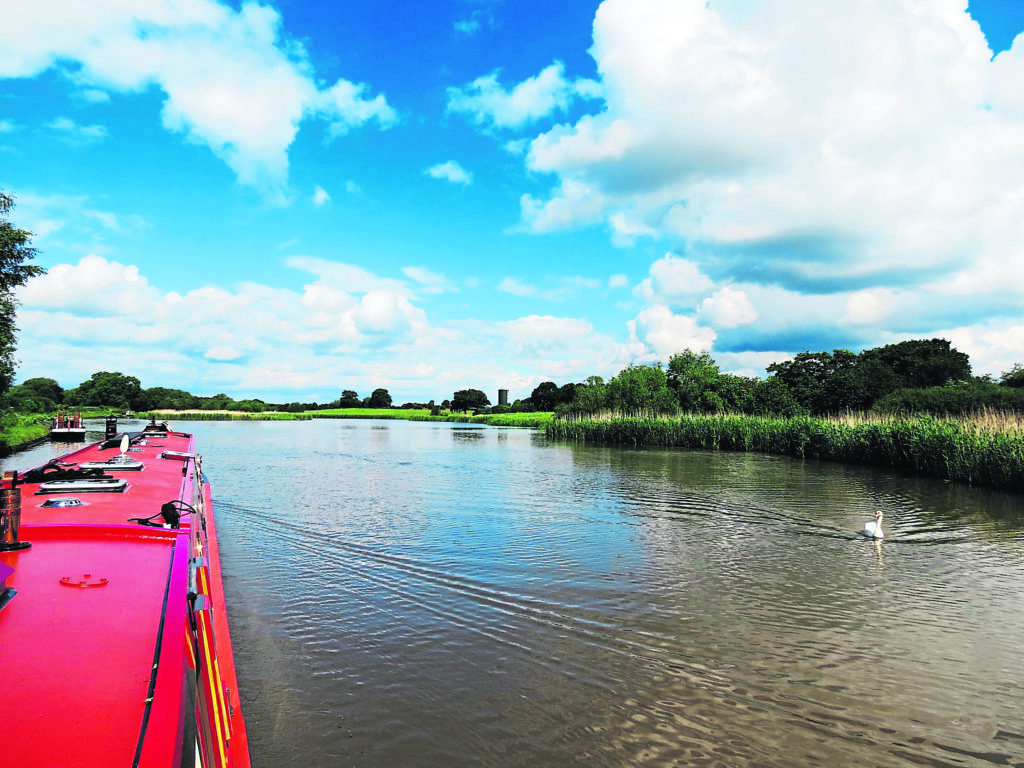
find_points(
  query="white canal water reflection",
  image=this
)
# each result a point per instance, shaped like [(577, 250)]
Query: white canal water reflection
[(420, 594)]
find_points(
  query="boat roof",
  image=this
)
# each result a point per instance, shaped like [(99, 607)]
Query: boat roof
[(93, 640)]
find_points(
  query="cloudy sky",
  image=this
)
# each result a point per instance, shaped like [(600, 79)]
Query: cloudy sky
[(288, 199)]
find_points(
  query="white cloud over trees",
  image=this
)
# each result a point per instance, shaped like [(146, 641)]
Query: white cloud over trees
[(844, 155)]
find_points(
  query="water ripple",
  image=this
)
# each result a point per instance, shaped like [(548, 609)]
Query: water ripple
[(481, 598)]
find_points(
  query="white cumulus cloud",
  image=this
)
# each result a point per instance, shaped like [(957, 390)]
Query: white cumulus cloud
[(728, 307), (674, 281), (487, 102), (663, 333), (430, 282), (450, 171), (831, 153), (231, 80)]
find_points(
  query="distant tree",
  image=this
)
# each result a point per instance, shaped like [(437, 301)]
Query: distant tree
[(1012, 378), (736, 391), (108, 389), (251, 406), (824, 383), (380, 399), (165, 398), (695, 378), (818, 381), (36, 396), (771, 397), (545, 396), (960, 398), (349, 399), (641, 388), (922, 363), (590, 397), (218, 402), (469, 400), (44, 387), (15, 250)]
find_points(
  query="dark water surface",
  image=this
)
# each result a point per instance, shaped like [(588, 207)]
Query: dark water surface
[(421, 594)]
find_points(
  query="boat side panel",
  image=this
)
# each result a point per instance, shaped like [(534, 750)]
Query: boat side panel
[(239, 739)]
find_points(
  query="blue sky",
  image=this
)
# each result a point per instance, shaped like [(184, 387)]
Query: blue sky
[(285, 200)]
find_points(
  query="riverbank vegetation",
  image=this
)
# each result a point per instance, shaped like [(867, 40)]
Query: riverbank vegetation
[(533, 420), (911, 377), (984, 450), (919, 408), (221, 416), (17, 430), (913, 406)]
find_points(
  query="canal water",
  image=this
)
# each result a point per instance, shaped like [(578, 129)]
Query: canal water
[(426, 594)]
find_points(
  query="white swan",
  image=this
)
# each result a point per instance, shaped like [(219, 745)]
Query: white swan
[(873, 530)]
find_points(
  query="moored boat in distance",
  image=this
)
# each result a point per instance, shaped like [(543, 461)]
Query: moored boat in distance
[(67, 427), (113, 627)]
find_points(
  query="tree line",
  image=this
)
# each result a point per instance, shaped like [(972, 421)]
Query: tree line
[(924, 376), (916, 376), (126, 393)]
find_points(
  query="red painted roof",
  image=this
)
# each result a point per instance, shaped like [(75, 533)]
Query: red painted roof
[(100, 598)]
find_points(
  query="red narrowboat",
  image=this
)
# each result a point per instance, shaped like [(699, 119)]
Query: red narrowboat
[(114, 636)]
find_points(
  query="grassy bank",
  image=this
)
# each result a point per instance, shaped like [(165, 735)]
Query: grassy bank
[(17, 430), (534, 420), (988, 450), (221, 416)]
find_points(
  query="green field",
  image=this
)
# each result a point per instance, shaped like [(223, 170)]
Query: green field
[(222, 416), (531, 420)]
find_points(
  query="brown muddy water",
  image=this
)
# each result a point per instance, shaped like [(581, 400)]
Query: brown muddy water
[(423, 594)]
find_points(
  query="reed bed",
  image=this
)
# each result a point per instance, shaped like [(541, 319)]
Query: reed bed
[(987, 451), (407, 414), (531, 420), (222, 416)]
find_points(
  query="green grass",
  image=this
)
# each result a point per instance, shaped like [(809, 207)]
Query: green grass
[(963, 450), (531, 420), (222, 416), (370, 413), (17, 430)]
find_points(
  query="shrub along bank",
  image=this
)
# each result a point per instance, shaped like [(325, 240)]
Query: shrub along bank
[(963, 450)]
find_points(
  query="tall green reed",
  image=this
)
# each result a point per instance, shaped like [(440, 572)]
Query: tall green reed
[(959, 450)]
